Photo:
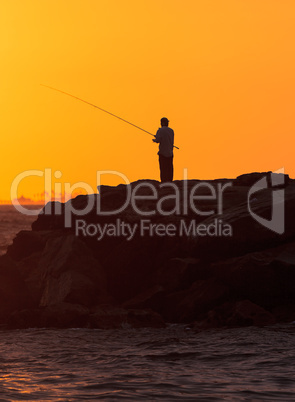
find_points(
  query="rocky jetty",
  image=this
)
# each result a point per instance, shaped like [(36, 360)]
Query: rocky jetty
[(209, 254)]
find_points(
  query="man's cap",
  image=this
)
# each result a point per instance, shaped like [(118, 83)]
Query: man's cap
[(164, 120)]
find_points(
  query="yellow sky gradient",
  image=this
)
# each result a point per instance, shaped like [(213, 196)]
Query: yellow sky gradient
[(222, 71)]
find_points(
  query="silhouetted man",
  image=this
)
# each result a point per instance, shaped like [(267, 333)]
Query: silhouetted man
[(165, 138)]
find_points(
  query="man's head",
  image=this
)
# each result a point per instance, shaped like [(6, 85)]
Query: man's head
[(164, 121)]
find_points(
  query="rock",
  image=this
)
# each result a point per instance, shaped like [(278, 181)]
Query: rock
[(145, 318), (26, 243), (13, 291), (284, 313), (107, 317), (267, 278), (284, 267), (192, 304), (248, 235), (71, 274), (50, 218), (249, 179), (65, 278), (242, 313), (31, 274), (246, 313), (65, 315), (212, 321), (180, 273), (62, 315), (132, 267), (251, 276), (25, 318), (146, 299), (68, 315)]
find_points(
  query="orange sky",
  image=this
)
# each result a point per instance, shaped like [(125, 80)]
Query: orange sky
[(221, 71)]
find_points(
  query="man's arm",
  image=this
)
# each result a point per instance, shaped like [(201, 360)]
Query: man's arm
[(157, 137)]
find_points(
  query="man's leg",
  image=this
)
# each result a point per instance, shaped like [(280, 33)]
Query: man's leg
[(164, 168), (161, 164), (170, 175)]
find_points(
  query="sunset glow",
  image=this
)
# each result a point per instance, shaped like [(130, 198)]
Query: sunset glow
[(221, 71)]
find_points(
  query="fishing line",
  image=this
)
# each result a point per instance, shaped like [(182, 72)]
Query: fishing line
[(97, 107)]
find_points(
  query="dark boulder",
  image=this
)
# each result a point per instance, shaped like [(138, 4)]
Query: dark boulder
[(242, 313), (57, 277), (26, 243), (246, 313), (14, 294), (108, 317), (193, 303), (62, 315), (71, 274), (249, 179)]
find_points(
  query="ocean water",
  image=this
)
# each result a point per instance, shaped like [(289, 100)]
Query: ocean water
[(11, 222), (175, 363), (148, 364)]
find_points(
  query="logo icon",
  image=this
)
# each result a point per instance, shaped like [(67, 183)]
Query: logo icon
[(276, 180)]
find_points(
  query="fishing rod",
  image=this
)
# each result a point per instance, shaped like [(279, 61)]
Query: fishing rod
[(97, 107)]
